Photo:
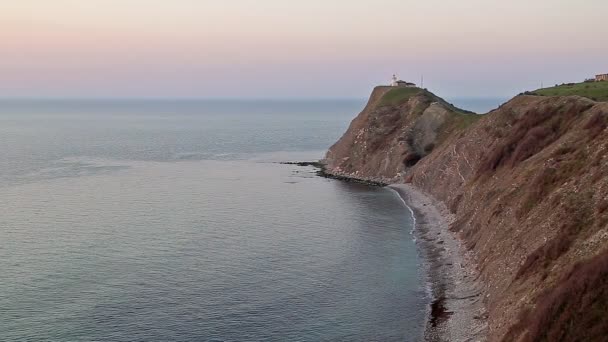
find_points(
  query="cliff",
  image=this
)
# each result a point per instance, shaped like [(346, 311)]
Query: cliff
[(528, 185), (397, 128)]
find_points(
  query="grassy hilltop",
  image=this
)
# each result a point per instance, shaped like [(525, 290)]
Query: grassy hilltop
[(398, 96), (597, 91)]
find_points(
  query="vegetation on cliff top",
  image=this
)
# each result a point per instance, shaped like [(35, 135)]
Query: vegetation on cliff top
[(396, 103), (466, 119), (597, 91), (399, 96)]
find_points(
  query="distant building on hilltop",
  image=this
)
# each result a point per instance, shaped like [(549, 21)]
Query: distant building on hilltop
[(399, 83), (601, 77)]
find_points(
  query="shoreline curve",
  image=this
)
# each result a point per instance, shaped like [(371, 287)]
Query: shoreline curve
[(457, 311)]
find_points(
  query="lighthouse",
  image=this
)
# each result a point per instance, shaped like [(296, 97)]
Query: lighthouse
[(394, 81), (399, 83)]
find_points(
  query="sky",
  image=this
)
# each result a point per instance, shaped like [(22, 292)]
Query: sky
[(295, 49)]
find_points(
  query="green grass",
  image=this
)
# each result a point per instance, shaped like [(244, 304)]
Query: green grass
[(464, 120), (470, 115), (398, 96), (597, 91), (459, 121)]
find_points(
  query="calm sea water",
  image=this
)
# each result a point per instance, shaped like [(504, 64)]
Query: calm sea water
[(156, 221), (159, 220)]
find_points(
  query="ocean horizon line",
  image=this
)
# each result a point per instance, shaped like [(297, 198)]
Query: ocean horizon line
[(217, 99)]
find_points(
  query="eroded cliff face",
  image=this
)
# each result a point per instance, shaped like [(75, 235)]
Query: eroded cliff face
[(528, 184), (397, 128)]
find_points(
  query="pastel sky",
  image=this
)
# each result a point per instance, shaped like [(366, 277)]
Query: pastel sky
[(295, 49)]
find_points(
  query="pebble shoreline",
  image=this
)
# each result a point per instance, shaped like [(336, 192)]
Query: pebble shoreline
[(457, 312)]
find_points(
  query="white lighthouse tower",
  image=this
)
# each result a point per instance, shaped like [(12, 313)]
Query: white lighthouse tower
[(394, 81)]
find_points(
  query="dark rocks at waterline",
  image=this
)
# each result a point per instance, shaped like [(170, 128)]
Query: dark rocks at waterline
[(323, 173), (312, 163), (439, 313)]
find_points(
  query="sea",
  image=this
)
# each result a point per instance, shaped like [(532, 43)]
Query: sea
[(174, 220)]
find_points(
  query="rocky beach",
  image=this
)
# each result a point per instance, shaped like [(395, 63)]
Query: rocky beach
[(457, 312)]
